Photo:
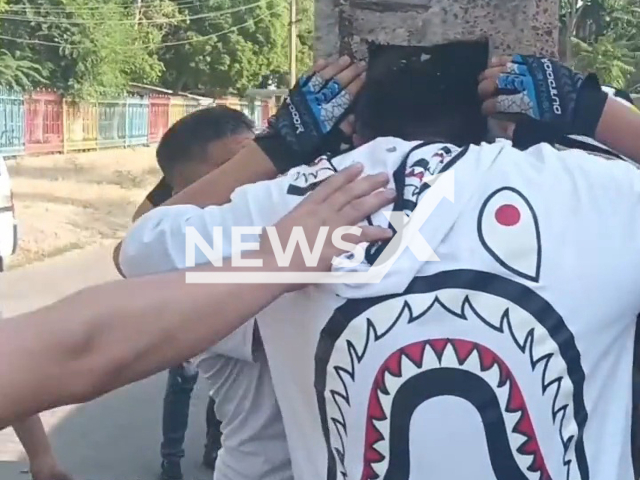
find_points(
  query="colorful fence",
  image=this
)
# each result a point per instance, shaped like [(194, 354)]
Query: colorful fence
[(80, 126), (43, 132), (137, 121), (112, 124), (257, 110), (12, 129), (43, 122), (158, 117), (177, 109)]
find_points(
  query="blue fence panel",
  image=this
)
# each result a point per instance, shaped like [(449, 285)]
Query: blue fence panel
[(12, 122), (137, 121), (257, 113), (112, 128)]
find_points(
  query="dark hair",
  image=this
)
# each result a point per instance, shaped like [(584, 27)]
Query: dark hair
[(187, 139), (418, 93)]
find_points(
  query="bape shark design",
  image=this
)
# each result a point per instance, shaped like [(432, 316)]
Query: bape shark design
[(459, 335), (419, 170), (305, 179)]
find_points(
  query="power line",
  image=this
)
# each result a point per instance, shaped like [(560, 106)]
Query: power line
[(158, 20), (215, 35), (158, 45), (89, 8)]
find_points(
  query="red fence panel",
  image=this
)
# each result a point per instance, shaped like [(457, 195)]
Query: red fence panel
[(44, 123), (266, 112), (158, 117)]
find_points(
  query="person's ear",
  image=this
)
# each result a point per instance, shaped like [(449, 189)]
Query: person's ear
[(358, 141)]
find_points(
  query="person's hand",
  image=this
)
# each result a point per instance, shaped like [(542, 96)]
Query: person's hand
[(313, 121), (544, 93), (343, 200), (47, 468)]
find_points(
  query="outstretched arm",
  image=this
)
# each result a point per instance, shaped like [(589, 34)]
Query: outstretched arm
[(107, 336), (289, 144), (42, 462)]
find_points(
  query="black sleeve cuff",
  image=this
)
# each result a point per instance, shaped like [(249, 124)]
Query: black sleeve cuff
[(589, 106), (529, 132), (283, 157), (160, 193)]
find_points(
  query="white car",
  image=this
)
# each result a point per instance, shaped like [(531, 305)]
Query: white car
[(8, 224)]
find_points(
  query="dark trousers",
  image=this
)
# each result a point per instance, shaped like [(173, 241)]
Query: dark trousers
[(175, 415), (214, 434)]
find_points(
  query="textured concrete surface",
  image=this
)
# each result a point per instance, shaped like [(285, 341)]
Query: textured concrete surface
[(510, 26)]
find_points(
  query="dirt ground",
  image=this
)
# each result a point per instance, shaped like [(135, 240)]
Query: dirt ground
[(68, 202)]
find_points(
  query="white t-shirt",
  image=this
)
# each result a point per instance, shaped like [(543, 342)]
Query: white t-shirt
[(254, 443), (509, 358)]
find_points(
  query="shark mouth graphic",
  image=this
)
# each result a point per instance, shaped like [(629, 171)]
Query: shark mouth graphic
[(426, 364), (487, 340)]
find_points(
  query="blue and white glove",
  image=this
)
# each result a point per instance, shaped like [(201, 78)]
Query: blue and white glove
[(549, 92), (530, 132), (307, 124)]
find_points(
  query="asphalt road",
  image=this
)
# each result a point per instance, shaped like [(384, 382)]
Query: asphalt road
[(116, 437)]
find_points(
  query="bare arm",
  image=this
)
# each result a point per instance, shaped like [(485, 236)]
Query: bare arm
[(104, 337), (619, 129), (42, 462), (32, 436), (251, 165)]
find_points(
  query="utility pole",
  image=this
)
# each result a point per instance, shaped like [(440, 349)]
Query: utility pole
[(293, 42), (138, 11)]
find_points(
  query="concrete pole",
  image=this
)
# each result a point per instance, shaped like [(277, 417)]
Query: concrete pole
[(521, 26), (293, 42)]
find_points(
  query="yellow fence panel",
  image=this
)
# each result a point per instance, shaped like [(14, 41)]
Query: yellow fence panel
[(177, 109), (231, 102), (81, 126)]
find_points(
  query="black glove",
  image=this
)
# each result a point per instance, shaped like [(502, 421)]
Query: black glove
[(529, 132), (306, 125), (549, 92)]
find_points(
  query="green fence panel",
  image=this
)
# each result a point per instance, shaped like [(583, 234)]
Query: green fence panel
[(112, 123)]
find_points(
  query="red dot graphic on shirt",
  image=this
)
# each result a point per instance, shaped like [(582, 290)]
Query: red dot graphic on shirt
[(507, 215)]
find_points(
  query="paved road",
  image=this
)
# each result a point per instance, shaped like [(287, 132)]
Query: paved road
[(115, 437)]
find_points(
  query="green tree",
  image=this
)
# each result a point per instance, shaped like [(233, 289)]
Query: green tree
[(15, 73), (85, 48), (611, 61), (19, 74), (217, 52), (602, 36)]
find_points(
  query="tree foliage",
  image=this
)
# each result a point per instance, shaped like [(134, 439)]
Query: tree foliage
[(90, 48), (253, 51), (602, 36), (85, 48)]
